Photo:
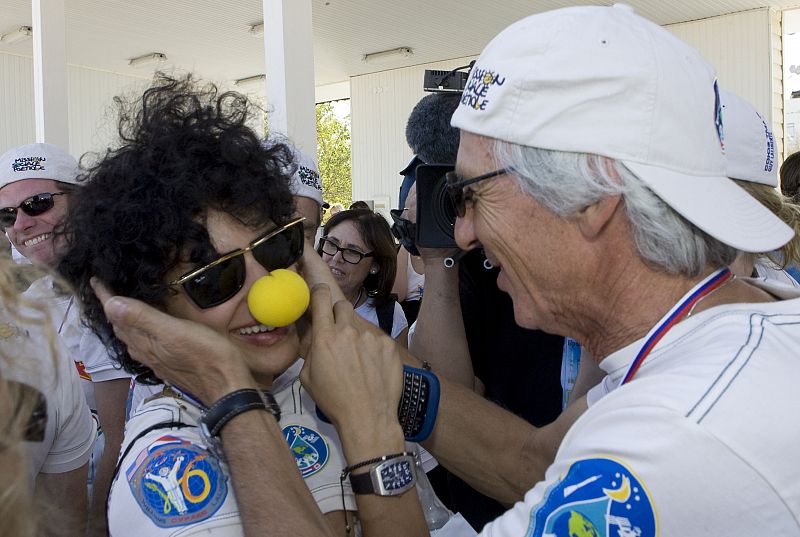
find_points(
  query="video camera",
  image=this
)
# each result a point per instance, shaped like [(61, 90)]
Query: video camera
[(436, 215)]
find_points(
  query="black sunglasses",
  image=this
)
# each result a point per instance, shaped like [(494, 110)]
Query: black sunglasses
[(455, 187), (218, 281), (33, 206)]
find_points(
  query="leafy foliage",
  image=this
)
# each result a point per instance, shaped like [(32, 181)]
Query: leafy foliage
[(335, 169)]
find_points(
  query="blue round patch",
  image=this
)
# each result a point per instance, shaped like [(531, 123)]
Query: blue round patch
[(177, 484), (308, 447), (597, 498)]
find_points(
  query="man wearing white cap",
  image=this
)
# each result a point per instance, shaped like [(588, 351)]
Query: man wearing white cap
[(306, 186), (591, 171), (36, 181)]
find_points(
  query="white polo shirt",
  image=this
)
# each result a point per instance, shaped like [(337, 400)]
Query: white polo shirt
[(702, 441)]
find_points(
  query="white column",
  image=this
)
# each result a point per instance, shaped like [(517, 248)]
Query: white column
[(50, 73), (289, 53)]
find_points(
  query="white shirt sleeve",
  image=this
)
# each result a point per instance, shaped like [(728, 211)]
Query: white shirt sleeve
[(98, 363)]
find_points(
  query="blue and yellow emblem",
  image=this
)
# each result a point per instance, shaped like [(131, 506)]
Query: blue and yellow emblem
[(308, 447), (177, 483), (597, 498)]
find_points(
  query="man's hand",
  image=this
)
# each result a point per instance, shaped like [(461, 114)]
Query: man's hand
[(356, 376), (180, 352)]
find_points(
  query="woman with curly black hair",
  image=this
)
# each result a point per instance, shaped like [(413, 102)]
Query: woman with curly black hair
[(186, 214)]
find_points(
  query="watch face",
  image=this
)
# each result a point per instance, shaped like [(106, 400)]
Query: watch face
[(396, 475)]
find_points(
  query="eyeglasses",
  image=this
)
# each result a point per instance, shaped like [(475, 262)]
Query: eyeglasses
[(351, 256), (455, 187), (33, 206), (218, 281)]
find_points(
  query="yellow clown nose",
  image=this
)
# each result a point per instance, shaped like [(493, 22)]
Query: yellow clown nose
[(279, 298)]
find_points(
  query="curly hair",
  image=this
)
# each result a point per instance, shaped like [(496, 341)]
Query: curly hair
[(790, 176), (375, 231), (185, 148)]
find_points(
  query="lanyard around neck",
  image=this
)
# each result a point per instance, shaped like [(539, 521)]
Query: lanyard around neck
[(689, 300)]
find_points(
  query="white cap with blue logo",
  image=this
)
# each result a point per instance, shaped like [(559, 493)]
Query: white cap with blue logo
[(605, 81), (749, 143), (37, 161)]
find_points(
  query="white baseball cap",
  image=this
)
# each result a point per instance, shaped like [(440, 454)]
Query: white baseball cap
[(749, 144), (305, 181), (37, 161), (605, 81)]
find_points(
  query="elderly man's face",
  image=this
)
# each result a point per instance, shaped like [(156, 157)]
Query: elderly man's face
[(518, 235), (308, 208)]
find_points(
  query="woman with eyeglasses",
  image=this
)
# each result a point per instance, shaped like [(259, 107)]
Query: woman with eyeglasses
[(358, 247), (186, 215)]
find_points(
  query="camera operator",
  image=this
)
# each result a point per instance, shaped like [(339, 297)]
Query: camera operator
[(464, 315)]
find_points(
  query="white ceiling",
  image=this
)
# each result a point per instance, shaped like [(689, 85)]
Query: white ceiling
[(211, 37)]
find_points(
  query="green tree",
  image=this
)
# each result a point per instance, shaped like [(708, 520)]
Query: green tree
[(333, 141)]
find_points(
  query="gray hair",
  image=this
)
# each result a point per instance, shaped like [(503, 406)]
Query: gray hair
[(567, 182)]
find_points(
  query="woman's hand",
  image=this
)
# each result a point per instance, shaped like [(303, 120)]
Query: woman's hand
[(180, 352)]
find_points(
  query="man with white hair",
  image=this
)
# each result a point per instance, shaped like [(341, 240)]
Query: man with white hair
[(591, 171)]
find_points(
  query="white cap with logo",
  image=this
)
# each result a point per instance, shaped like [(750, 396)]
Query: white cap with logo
[(605, 81), (305, 181), (749, 143), (37, 161)]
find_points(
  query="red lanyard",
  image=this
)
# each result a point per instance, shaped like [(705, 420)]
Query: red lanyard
[(703, 289)]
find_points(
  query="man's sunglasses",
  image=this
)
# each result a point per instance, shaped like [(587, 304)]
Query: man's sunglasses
[(33, 206), (218, 281), (455, 187)]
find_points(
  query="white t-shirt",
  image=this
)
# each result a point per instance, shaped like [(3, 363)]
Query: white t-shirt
[(416, 282), (70, 430), (145, 502), (367, 311), (91, 357), (700, 442), (155, 493)]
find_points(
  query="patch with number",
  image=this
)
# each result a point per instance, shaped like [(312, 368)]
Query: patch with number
[(177, 483), (597, 498), (308, 447)]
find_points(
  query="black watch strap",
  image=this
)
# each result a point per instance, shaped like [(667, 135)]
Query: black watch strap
[(362, 483), (235, 403)]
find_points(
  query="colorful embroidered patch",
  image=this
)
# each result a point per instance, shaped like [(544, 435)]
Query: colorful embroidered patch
[(308, 447), (177, 483), (597, 498)]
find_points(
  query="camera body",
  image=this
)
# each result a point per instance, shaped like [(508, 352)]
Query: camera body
[(445, 81), (436, 215)]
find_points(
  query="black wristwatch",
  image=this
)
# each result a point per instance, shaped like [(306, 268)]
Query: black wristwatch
[(214, 418), (389, 478)]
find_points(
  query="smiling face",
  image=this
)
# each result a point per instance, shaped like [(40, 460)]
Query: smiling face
[(268, 352), (527, 241), (350, 277), (33, 236)]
